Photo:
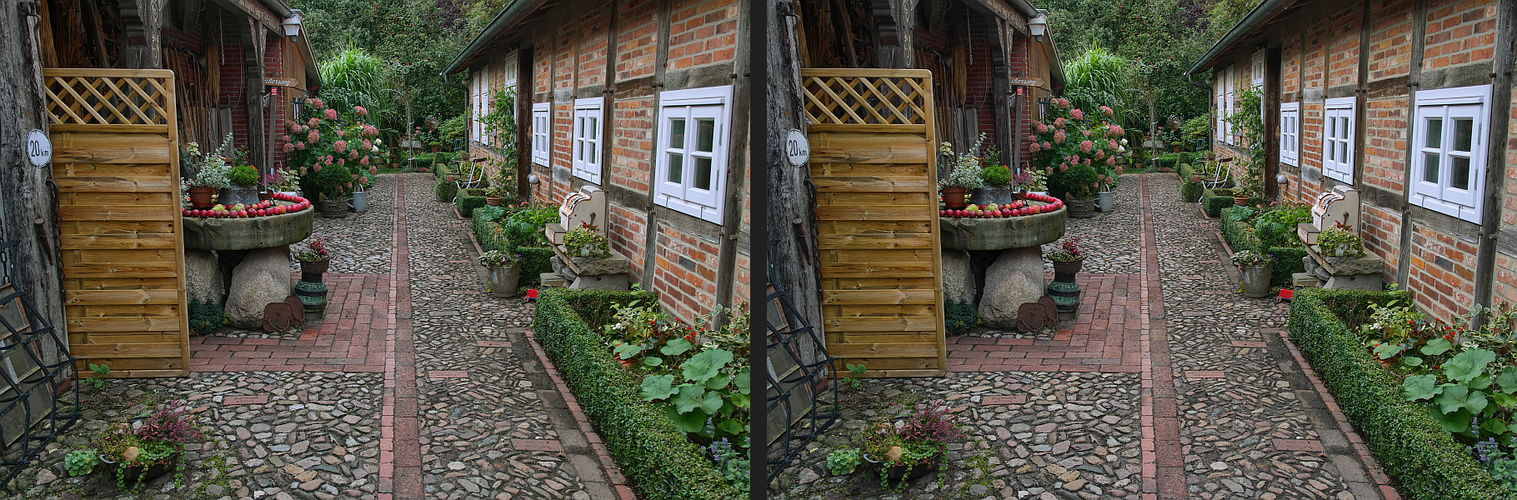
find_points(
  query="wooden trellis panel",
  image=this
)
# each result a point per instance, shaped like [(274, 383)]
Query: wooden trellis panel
[(873, 162), (116, 162)]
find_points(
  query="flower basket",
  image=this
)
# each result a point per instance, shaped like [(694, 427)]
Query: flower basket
[(899, 473), (1067, 269), (312, 270), (135, 474)]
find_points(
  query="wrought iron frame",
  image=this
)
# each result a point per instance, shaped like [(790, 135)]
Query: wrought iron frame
[(788, 337), (58, 380)]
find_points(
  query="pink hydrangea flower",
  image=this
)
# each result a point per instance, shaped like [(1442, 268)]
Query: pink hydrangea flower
[(342, 133), (1115, 131), (1119, 169), (1063, 167), (1085, 146), (1085, 132), (373, 170), (292, 126), (302, 170), (1042, 128), (1111, 143), (342, 162), (1077, 114), (1059, 122), (1034, 147), (288, 147), (1087, 162), (313, 136), (340, 146), (360, 111), (367, 144), (1063, 103), (316, 103), (317, 167), (1106, 110), (353, 155), (313, 122), (1058, 137), (1112, 161), (1046, 145), (330, 114), (300, 145)]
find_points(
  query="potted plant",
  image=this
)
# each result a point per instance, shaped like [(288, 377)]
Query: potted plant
[(996, 186), (1028, 180), (1339, 241), (964, 177), (904, 450), (583, 241), (210, 176), (314, 260), (504, 272), (1079, 183), (1104, 196), (1255, 267), (145, 449), (1067, 261)]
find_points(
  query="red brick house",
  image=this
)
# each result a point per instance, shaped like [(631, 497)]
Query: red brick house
[(1410, 102), (645, 100)]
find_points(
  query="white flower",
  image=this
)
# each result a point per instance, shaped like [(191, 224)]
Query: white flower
[(1124, 142), (374, 149)]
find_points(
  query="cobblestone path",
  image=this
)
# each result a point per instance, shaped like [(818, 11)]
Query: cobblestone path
[(1169, 385), (412, 385)]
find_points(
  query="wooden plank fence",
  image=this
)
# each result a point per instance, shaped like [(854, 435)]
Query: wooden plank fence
[(116, 162), (874, 164)]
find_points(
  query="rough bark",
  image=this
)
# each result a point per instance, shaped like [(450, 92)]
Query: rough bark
[(791, 218)]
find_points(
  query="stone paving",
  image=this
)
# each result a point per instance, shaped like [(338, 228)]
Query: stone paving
[(412, 385), (1168, 385)]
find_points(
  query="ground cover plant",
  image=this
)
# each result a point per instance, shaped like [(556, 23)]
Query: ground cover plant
[(1340, 332)]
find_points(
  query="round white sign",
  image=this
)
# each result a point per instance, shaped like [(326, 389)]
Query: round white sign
[(797, 148), (38, 148)]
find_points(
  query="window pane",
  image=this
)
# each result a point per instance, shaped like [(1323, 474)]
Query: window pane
[(703, 173), (1343, 130), (677, 133), (1464, 131), (676, 167), (591, 130), (1332, 127), (705, 134), (1435, 133), (1459, 178), (1430, 167)]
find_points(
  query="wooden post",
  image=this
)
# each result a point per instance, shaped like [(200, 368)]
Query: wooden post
[(791, 214)]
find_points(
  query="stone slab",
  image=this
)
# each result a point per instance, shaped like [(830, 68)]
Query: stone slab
[(248, 233), (966, 233)]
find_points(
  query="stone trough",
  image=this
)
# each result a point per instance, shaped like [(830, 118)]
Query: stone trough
[(257, 249), (997, 262)]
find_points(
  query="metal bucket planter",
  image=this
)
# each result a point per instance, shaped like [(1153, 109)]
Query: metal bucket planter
[(312, 295), (1256, 280), (238, 194), (990, 194), (503, 281)]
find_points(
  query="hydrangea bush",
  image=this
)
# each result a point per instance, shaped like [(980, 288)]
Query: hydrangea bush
[(1078, 153), (335, 152)]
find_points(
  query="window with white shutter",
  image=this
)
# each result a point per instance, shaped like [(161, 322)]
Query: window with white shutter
[(1338, 139), (587, 124), (691, 173), (1448, 169), (542, 142), (1290, 133)]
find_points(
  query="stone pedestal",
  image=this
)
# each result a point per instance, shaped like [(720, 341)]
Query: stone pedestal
[(959, 280), (263, 277), (202, 277), (1014, 279)]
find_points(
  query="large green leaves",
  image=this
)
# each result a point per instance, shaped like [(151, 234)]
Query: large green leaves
[(1457, 397), (691, 397), (705, 365), (1466, 365), (1421, 387), (658, 387)]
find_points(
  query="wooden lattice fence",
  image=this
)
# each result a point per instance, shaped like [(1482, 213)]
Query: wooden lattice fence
[(874, 164), (116, 162)]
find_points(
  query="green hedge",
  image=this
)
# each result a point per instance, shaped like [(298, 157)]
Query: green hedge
[(1185, 171), (1216, 200), (534, 261), (1166, 161), (1287, 262), (467, 204), (1190, 192), (445, 191), (1235, 226), (654, 455), (1410, 445)]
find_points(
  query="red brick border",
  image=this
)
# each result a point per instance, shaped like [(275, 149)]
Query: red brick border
[(399, 427), (1163, 466)]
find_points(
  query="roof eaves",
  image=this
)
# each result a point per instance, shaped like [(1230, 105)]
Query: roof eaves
[(1260, 13), (503, 22)]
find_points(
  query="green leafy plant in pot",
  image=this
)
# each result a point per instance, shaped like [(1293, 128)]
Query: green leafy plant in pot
[(583, 241), (148, 447), (997, 185), (1255, 268), (1338, 241), (964, 177), (504, 272), (1067, 260), (211, 174)]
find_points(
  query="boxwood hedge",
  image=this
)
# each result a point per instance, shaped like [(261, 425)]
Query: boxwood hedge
[(1215, 200), (1235, 230), (467, 204), (1411, 446), (654, 455)]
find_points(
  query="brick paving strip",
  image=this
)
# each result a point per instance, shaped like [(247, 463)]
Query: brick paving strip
[(399, 444), (1163, 467)]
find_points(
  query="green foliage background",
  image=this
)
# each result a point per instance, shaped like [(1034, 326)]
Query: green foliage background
[(1162, 38)]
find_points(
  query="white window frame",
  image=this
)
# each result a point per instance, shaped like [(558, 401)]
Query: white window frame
[(588, 145), (1231, 107), (477, 91), (1290, 133), (542, 141), (1339, 138), (684, 196), (1221, 95), (1256, 70), (1474, 103)]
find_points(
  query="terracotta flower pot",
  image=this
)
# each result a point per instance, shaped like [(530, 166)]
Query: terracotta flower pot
[(202, 198), (1241, 201), (1066, 271), (953, 197), (493, 201)]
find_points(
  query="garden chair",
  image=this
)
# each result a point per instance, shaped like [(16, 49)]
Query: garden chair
[(473, 175), (1219, 175)]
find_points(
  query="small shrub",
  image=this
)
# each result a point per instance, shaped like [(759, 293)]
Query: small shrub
[(243, 175), (960, 317), (205, 318), (467, 204), (1215, 200), (445, 190), (534, 262)]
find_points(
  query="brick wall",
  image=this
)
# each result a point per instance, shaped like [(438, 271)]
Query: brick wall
[(571, 61), (234, 79), (1320, 52)]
